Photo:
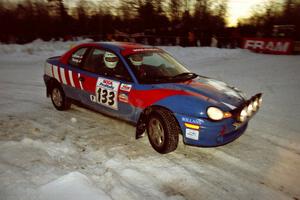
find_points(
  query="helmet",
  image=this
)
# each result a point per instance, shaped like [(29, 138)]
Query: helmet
[(136, 59), (110, 60)]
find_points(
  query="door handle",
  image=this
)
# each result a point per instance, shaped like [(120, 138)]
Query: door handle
[(81, 79)]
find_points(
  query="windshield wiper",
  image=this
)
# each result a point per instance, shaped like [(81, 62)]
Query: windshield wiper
[(185, 75), (156, 79), (169, 79)]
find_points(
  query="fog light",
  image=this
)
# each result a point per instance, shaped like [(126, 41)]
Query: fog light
[(255, 104), (243, 115), (260, 101), (249, 110)]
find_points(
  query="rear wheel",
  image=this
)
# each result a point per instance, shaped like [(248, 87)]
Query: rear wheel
[(163, 131), (59, 99)]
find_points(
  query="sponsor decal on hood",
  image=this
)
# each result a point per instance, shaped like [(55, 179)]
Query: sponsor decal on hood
[(214, 89)]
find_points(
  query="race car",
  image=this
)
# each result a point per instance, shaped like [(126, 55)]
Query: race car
[(147, 87)]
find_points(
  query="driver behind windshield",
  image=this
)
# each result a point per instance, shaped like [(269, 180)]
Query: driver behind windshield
[(136, 59), (157, 67)]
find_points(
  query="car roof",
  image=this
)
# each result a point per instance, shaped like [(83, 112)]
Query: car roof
[(126, 48), (122, 44)]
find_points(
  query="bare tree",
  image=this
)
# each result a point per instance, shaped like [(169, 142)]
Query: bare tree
[(176, 9), (264, 18)]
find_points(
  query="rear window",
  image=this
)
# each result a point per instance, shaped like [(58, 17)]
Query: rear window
[(77, 57)]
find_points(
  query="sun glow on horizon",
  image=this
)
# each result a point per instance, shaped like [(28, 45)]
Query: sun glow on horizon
[(241, 9)]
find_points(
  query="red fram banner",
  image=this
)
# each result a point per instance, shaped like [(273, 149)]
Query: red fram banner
[(268, 45)]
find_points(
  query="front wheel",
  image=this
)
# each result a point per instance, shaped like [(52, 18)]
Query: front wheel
[(163, 131), (59, 99)]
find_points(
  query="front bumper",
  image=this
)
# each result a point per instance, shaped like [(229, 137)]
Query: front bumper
[(208, 133)]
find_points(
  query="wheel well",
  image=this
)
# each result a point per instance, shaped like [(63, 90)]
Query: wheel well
[(50, 84), (144, 117), (154, 108), (147, 112)]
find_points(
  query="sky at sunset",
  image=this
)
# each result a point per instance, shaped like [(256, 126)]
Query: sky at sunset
[(236, 8)]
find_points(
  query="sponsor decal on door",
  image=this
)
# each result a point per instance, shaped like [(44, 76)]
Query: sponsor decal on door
[(107, 92)]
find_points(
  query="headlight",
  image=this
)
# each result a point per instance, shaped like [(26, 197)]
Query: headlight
[(215, 113), (243, 114)]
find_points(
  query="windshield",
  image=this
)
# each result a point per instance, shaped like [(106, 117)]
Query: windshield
[(157, 67)]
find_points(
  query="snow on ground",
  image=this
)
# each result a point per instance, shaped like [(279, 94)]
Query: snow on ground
[(80, 154)]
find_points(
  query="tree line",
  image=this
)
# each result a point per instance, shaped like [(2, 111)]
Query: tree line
[(48, 19), (191, 21), (265, 19)]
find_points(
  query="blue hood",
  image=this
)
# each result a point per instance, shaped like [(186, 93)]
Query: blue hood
[(216, 90)]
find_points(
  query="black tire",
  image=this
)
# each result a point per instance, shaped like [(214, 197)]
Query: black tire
[(167, 140), (59, 99)]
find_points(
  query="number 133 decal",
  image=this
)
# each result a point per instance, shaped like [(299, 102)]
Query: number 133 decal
[(107, 92)]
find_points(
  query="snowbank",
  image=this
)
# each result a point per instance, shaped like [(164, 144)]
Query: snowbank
[(75, 186), (80, 154), (39, 47)]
